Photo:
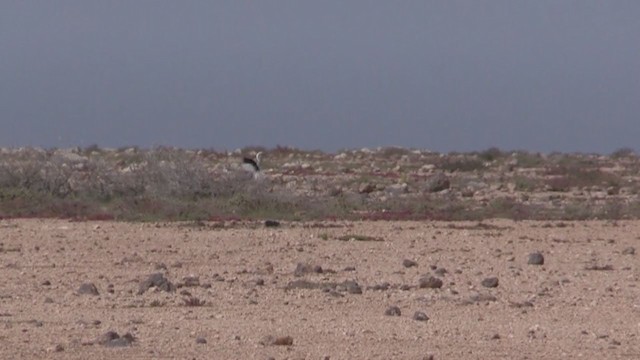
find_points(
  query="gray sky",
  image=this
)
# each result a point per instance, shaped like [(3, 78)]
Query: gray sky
[(444, 75)]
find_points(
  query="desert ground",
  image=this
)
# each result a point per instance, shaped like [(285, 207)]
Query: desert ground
[(319, 290)]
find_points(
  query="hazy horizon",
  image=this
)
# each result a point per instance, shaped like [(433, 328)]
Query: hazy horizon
[(539, 76)]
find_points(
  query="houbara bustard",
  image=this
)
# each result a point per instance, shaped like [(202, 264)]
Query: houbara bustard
[(252, 165)]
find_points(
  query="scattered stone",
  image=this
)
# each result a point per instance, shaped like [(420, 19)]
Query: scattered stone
[(112, 339), (88, 289), (306, 284), (302, 268), (58, 348), (536, 258), (629, 251), (191, 281), (381, 287), (420, 316), (490, 282), (201, 340), (318, 269), (259, 282), (393, 311), (158, 281), (351, 287), (495, 337), (46, 283), (409, 263), (440, 271), (349, 268), (599, 267), (521, 304), (279, 341), (482, 298), (430, 282), (271, 223), (48, 300)]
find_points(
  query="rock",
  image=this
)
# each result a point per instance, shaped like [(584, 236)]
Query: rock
[(482, 298), (112, 339), (430, 282), (381, 287), (271, 223), (88, 289), (158, 281), (351, 287), (629, 251), (490, 282), (437, 183), (409, 263), (302, 268), (280, 340), (420, 316), (393, 311), (536, 258), (191, 281), (201, 340), (440, 271)]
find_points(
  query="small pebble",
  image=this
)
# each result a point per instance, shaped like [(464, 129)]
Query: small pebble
[(393, 311), (536, 258), (420, 316), (490, 282)]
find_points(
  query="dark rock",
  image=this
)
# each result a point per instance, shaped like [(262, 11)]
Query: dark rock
[(382, 287), (191, 281), (420, 316), (409, 263), (393, 311), (490, 282), (482, 298), (351, 287), (271, 223), (536, 258), (629, 251), (201, 340), (349, 268), (88, 289), (430, 282), (46, 283), (280, 340), (112, 339), (158, 281), (302, 268)]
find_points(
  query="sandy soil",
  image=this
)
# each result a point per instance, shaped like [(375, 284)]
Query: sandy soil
[(584, 302)]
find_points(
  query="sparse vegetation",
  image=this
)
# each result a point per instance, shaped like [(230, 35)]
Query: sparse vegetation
[(359, 237), (383, 184)]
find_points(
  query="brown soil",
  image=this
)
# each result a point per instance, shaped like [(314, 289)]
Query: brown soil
[(236, 294)]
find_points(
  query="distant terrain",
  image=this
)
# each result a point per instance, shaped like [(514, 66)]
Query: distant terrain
[(385, 183)]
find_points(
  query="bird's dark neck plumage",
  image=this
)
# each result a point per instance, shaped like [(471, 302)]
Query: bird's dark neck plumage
[(251, 162)]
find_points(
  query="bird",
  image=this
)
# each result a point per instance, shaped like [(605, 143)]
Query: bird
[(251, 164)]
